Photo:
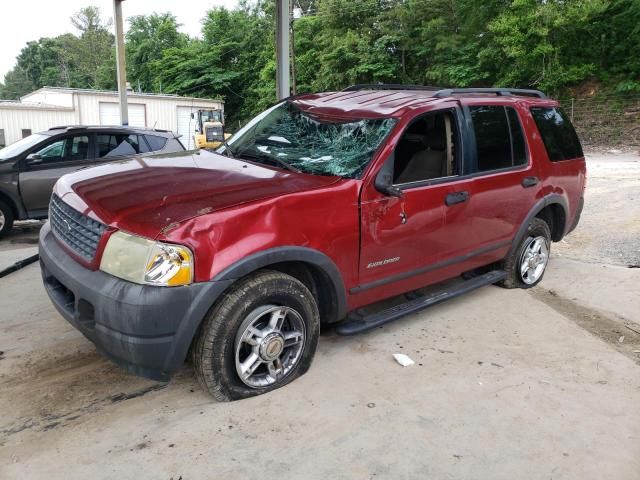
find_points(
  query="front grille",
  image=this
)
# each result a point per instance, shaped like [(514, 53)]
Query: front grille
[(81, 233)]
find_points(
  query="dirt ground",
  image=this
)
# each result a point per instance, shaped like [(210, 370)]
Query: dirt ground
[(609, 229), (507, 384)]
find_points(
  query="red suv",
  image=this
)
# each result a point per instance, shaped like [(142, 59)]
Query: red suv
[(318, 208)]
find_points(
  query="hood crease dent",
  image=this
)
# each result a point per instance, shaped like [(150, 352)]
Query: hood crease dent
[(150, 196)]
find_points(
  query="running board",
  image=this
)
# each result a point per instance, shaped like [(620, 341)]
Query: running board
[(357, 323)]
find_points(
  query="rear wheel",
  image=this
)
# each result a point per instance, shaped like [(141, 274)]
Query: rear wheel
[(261, 336), (6, 218), (526, 265)]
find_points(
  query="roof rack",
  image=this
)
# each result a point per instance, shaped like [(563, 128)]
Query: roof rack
[(389, 86), (67, 127), (440, 92), (501, 92)]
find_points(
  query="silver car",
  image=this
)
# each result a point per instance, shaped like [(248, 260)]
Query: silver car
[(30, 167)]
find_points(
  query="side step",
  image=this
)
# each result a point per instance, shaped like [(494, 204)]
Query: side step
[(355, 323)]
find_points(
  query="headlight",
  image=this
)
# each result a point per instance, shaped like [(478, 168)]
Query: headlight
[(144, 261)]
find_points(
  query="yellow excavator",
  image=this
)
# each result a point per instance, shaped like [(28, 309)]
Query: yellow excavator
[(209, 133)]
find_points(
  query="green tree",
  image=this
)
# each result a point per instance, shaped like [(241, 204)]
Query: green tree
[(16, 84), (230, 62), (148, 37), (554, 45), (94, 45), (107, 76)]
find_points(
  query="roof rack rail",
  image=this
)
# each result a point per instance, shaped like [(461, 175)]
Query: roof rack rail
[(504, 92), (67, 127), (440, 92), (389, 86)]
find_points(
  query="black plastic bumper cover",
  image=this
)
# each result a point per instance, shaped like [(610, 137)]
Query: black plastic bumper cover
[(576, 219), (145, 329)]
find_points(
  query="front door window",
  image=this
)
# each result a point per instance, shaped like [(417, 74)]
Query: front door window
[(66, 149), (427, 150), (54, 152)]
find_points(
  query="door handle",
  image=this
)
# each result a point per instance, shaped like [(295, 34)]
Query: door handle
[(530, 182), (456, 197)]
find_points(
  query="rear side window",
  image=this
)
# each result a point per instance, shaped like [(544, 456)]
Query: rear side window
[(143, 147), (115, 145), (156, 143), (558, 135), (499, 138)]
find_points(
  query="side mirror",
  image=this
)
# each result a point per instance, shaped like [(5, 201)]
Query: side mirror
[(193, 116), (34, 159), (384, 180), (394, 191)]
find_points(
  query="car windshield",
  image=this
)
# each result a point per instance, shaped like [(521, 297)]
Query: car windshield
[(288, 137), (21, 145)]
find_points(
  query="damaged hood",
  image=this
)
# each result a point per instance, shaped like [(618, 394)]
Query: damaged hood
[(147, 195)]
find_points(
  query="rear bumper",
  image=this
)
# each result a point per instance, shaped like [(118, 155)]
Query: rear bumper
[(147, 330), (576, 218)]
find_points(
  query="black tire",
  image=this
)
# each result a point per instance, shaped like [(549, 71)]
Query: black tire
[(536, 228), (215, 348), (6, 212)]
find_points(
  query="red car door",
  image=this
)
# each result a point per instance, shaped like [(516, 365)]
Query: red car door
[(501, 186), (404, 238)]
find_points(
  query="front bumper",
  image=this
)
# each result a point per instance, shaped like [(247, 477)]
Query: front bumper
[(147, 330)]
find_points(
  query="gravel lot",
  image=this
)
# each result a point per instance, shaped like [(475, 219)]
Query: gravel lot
[(610, 226), (519, 384)]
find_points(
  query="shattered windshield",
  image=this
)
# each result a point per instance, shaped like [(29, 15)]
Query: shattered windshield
[(287, 137)]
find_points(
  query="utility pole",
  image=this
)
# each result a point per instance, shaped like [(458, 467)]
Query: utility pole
[(294, 14), (283, 89), (120, 62)]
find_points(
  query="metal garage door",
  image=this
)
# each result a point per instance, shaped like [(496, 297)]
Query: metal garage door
[(110, 114), (186, 126)]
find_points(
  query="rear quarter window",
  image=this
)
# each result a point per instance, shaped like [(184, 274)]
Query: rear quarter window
[(174, 145), (156, 143), (559, 136)]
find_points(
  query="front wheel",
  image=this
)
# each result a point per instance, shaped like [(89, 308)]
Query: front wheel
[(526, 265), (260, 336)]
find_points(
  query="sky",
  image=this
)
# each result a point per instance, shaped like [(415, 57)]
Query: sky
[(34, 19)]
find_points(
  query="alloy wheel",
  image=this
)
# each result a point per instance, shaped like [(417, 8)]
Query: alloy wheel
[(535, 256), (269, 344)]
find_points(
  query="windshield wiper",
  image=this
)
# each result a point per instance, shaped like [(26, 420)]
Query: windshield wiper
[(269, 158)]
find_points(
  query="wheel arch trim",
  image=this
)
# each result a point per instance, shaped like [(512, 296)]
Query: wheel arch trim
[(208, 293), (275, 255), (14, 202), (544, 202)]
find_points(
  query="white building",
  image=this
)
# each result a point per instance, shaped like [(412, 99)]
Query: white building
[(52, 106)]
